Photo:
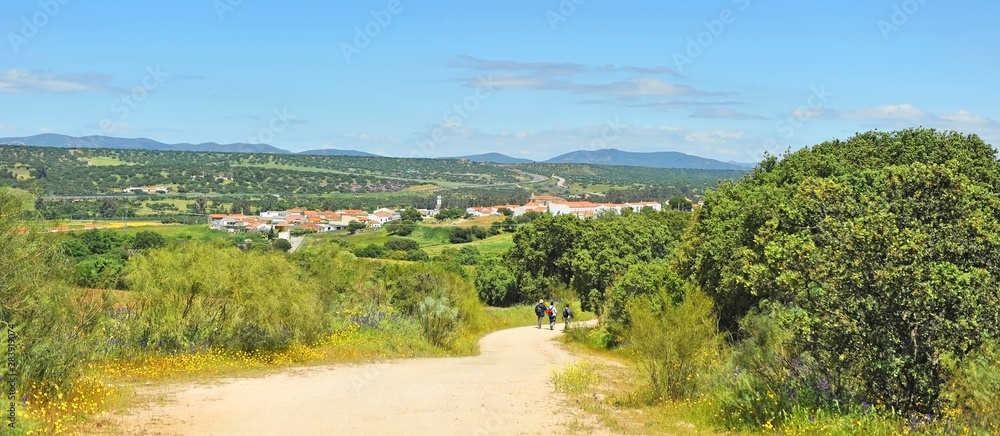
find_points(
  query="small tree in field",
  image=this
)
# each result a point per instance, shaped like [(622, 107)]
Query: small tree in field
[(281, 245), (354, 226)]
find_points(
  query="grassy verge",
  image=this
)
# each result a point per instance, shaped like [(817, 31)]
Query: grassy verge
[(607, 386), (611, 386)]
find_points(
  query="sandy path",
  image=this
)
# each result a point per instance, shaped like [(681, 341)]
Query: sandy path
[(506, 390)]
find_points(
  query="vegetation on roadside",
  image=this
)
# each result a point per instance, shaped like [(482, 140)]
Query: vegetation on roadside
[(854, 285)]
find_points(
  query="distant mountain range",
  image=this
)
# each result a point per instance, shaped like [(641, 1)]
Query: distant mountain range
[(55, 140), (336, 152), (494, 158), (660, 159)]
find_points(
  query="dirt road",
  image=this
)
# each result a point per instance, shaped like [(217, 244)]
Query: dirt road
[(506, 390)]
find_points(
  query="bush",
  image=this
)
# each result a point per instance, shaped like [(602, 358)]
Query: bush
[(281, 245), (400, 228), (495, 283), (102, 272), (52, 343), (974, 388), (198, 297), (463, 256), (438, 319), (417, 255), (147, 239), (677, 345), (886, 247), (372, 251), (654, 279), (461, 235)]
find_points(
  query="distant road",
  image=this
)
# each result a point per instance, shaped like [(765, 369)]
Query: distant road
[(296, 242)]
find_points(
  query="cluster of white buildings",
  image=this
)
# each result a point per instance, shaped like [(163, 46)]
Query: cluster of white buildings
[(560, 206), (146, 190), (284, 221)]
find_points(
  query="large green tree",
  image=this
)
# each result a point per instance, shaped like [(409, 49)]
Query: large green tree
[(881, 253)]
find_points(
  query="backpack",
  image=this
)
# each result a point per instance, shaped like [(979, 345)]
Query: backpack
[(539, 309), (566, 313)]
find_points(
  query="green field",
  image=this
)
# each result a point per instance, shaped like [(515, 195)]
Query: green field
[(101, 161), (433, 238)]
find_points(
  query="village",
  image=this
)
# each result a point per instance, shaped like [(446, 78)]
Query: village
[(284, 223)]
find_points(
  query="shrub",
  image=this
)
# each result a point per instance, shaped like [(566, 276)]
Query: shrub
[(281, 245), (495, 283), (147, 239), (198, 297), (417, 255), (463, 256), (652, 279), (885, 246), (400, 228), (677, 343), (438, 319), (51, 341), (102, 272), (974, 388), (461, 235), (372, 251)]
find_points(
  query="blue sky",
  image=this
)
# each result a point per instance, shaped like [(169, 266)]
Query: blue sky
[(726, 79)]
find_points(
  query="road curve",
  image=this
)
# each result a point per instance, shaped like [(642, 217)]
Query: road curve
[(506, 390)]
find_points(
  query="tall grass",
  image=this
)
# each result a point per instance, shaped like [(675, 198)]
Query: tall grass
[(680, 377)]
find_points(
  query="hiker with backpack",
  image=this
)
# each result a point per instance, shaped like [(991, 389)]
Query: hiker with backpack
[(567, 314), (552, 315), (540, 312)]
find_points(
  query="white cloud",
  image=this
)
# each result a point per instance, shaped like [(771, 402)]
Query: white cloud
[(725, 113), (714, 136), (24, 81), (965, 117), (630, 89), (897, 112), (513, 82), (557, 76)]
